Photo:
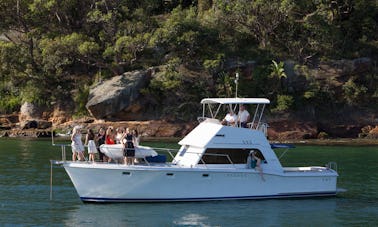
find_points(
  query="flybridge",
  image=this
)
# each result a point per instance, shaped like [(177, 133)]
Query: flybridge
[(211, 108)]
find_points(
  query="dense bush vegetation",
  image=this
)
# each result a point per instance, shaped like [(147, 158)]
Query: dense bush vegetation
[(48, 49)]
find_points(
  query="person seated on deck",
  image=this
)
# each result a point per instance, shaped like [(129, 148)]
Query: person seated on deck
[(254, 162), (230, 118), (243, 116)]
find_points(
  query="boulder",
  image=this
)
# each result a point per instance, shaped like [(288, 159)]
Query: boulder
[(5, 122), (36, 124), (373, 133), (345, 67), (29, 111), (110, 97)]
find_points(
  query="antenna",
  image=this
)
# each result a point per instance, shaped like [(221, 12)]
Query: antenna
[(236, 84)]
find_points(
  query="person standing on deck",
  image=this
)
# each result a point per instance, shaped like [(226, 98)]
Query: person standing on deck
[(119, 134), (128, 147), (100, 141), (77, 144), (90, 142), (136, 138), (109, 136)]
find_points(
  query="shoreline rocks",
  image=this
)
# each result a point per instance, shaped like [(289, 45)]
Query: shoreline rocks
[(279, 130)]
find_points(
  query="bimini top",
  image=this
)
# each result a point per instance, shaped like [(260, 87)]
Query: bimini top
[(235, 101)]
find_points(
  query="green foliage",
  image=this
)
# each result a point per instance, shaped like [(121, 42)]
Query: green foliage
[(213, 65), (33, 93), (71, 44), (277, 77), (169, 80), (323, 135), (309, 95), (353, 92), (128, 47), (225, 84), (278, 70), (88, 48), (9, 102), (284, 103), (81, 98)]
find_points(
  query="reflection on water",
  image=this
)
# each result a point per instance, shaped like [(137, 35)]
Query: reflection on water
[(221, 213), (25, 192)]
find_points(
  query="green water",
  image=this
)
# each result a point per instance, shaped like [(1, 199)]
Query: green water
[(25, 194)]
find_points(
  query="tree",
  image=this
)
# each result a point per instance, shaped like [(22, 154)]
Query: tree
[(257, 19), (278, 75)]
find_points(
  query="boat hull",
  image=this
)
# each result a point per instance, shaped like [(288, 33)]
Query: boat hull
[(119, 183)]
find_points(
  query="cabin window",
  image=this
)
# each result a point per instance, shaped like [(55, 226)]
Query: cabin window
[(183, 151), (259, 155), (237, 156)]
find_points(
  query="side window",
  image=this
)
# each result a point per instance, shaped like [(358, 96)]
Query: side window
[(260, 155), (183, 151), (222, 156)]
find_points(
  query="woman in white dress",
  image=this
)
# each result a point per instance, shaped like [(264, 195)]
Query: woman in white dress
[(77, 144), (136, 138), (119, 134), (90, 142)]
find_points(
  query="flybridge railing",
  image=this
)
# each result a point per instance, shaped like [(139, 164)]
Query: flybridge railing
[(263, 127), (211, 112), (260, 126), (258, 116)]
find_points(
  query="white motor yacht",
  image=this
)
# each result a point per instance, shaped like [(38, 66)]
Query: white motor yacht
[(210, 165)]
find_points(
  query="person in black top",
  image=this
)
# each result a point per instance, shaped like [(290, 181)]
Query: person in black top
[(101, 140), (128, 147)]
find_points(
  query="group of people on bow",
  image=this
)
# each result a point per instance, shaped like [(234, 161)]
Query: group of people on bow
[(128, 138)]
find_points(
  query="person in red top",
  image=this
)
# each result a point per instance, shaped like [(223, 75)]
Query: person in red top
[(109, 137)]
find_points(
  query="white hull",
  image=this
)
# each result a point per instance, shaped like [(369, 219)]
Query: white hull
[(119, 183)]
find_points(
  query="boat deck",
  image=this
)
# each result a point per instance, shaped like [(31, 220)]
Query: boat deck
[(229, 168)]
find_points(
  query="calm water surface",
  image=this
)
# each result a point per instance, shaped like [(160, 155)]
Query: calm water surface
[(25, 195)]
